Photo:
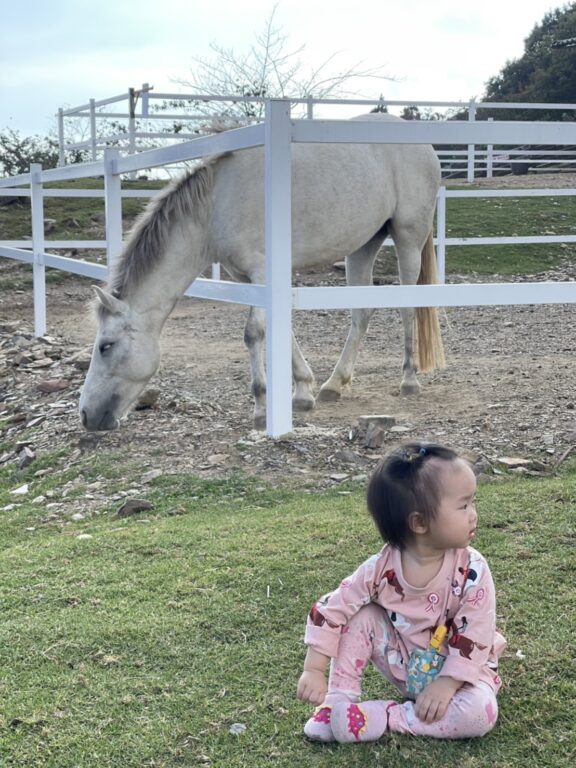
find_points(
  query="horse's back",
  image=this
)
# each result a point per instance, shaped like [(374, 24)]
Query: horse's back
[(342, 195)]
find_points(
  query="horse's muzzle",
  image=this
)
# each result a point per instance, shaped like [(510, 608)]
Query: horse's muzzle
[(101, 419)]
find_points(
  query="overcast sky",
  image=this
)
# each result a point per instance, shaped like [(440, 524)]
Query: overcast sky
[(61, 53)]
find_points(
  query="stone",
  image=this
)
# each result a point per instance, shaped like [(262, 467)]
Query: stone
[(25, 457), (381, 420), (375, 436), (134, 507), (52, 385), (23, 489), (148, 399), (148, 477), (513, 462)]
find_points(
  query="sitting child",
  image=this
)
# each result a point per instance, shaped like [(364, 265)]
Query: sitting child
[(426, 578)]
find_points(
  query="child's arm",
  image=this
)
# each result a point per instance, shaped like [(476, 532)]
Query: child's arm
[(312, 685)]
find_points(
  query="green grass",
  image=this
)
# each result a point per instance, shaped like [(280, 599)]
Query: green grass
[(465, 218), (142, 645), (508, 217)]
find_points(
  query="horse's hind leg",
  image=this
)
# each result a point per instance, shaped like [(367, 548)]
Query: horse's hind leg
[(409, 264), (359, 266)]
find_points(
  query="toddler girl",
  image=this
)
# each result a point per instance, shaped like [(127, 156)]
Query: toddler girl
[(427, 576)]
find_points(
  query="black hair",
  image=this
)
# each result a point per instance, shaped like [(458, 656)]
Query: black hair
[(406, 481)]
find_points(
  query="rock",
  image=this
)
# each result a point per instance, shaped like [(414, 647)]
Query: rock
[(383, 420), (237, 728), (374, 428), (36, 421), (83, 536), (23, 489), (346, 456), (49, 225), (375, 436), (513, 462), (148, 477), (52, 385), (133, 507), (339, 476), (400, 429), (217, 458), (148, 399), (25, 457)]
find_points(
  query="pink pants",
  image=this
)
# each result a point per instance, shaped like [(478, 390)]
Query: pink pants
[(472, 712)]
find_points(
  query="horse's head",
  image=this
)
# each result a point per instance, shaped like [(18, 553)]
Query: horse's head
[(125, 357)]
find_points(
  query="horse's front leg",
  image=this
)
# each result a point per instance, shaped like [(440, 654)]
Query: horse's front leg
[(302, 399), (254, 337)]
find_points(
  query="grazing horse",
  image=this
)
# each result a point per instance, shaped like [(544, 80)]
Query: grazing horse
[(345, 199)]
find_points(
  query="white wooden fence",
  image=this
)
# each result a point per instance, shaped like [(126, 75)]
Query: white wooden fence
[(278, 296), (140, 125)]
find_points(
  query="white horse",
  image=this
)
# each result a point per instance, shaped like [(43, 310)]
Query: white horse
[(345, 199)]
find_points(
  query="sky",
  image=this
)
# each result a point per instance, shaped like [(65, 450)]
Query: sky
[(62, 53)]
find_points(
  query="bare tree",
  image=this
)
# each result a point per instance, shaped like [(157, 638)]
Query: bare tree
[(269, 69)]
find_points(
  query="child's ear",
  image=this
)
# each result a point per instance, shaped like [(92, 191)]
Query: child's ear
[(417, 523)]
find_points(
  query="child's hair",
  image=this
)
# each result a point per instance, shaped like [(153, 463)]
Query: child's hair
[(404, 482)]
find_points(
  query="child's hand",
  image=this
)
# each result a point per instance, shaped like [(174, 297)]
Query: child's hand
[(312, 686), (432, 703)]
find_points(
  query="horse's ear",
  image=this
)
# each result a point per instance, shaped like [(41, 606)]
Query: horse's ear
[(111, 303)]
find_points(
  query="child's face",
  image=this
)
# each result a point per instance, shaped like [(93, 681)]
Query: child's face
[(456, 520)]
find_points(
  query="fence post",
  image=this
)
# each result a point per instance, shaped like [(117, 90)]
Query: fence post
[(61, 153), (39, 272), (310, 108), (93, 142), (112, 206), (131, 121), (441, 234), (145, 96), (490, 156), (471, 152), (278, 247)]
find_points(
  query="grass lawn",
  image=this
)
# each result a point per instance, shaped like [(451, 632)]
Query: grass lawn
[(143, 644)]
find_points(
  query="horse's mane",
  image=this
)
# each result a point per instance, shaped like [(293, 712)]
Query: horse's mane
[(185, 198)]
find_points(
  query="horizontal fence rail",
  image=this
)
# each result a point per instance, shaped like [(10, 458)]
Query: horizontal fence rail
[(276, 135)]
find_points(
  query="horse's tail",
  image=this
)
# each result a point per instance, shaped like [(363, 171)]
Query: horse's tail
[(427, 331)]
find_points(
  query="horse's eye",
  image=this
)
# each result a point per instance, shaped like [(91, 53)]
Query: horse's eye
[(105, 348)]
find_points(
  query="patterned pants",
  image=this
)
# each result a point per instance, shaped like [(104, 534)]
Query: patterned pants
[(472, 712)]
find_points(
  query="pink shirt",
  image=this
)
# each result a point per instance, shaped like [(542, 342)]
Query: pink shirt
[(461, 595)]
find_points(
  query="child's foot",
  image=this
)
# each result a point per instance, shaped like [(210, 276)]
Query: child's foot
[(365, 721), (318, 728)]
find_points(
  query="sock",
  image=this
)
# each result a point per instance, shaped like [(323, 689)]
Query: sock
[(364, 721), (318, 727)]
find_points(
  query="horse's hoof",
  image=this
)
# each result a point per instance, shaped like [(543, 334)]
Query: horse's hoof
[(303, 404), (328, 396), (410, 389)]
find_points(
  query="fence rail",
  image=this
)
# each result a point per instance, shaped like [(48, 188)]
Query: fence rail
[(142, 126), (277, 134)]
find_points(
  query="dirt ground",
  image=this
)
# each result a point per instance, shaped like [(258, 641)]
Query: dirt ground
[(508, 389)]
